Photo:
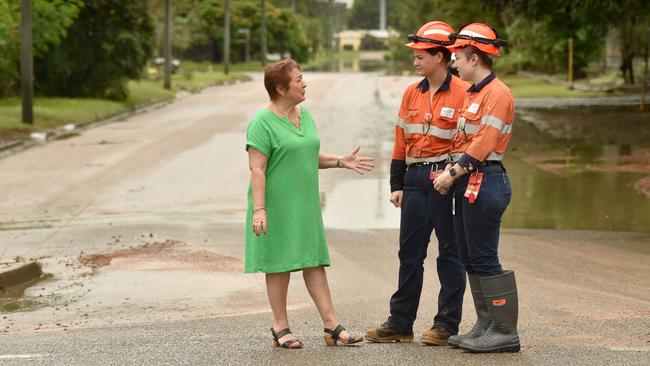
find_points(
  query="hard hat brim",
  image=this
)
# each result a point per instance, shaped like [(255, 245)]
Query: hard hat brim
[(458, 44), (490, 50), (420, 45)]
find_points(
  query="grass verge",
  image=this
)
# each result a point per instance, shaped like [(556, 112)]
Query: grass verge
[(50, 113), (529, 87)]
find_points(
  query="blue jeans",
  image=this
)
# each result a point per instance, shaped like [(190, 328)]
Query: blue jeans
[(423, 210), (477, 224)]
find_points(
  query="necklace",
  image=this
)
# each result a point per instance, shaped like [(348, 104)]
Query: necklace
[(286, 115)]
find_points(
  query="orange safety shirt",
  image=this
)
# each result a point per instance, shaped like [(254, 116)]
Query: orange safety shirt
[(427, 121), (426, 126), (485, 124)]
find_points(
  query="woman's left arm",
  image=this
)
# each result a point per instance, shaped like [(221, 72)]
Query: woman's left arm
[(349, 161)]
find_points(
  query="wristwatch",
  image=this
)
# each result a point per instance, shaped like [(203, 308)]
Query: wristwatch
[(452, 172)]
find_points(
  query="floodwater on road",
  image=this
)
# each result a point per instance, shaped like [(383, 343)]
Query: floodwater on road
[(572, 168), (541, 200), (582, 200)]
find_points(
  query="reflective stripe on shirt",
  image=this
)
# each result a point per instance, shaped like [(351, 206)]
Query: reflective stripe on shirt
[(432, 130)]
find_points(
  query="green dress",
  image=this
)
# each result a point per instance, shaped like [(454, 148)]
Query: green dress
[(295, 238)]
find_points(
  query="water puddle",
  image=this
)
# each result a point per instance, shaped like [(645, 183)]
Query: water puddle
[(360, 204), (583, 200), (541, 199), (13, 299), (571, 168)]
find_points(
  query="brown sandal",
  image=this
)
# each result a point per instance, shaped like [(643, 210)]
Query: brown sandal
[(287, 344), (332, 337)]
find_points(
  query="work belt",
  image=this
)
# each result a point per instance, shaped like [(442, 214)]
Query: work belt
[(492, 162), (425, 161)]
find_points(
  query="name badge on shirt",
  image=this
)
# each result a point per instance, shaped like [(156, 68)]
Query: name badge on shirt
[(447, 112), (473, 108)]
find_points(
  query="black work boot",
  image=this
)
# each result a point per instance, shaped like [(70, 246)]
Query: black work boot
[(500, 294), (385, 334), (482, 314)]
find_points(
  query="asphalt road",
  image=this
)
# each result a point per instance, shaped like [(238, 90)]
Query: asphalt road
[(140, 224)]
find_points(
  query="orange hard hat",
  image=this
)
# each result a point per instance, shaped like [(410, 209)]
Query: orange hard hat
[(482, 36), (431, 35)]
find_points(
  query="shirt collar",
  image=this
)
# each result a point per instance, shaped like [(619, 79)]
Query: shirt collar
[(424, 84), (477, 87)]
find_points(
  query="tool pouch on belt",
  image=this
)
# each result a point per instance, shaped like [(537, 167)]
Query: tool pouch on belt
[(473, 186)]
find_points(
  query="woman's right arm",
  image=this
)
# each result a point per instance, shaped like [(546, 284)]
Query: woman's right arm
[(257, 164), (398, 163)]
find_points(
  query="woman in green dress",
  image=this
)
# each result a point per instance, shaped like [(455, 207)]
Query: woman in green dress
[(284, 226)]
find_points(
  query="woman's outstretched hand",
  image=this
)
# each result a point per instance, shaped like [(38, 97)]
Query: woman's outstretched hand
[(357, 163)]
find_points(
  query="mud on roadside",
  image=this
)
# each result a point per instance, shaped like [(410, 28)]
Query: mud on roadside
[(9, 136), (168, 255), (121, 285)]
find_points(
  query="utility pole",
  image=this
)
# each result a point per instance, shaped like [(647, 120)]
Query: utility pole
[(570, 66), (226, 38), (328, 25), (645, 71), (26, 62), (247, 42), (263, 32), (168, 45), (382, 14)]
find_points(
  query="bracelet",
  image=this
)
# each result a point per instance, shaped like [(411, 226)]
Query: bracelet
[(255, 209), (338, 163)]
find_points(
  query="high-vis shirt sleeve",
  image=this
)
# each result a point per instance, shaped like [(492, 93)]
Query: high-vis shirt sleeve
[(468, 162), (399, 147), (258, 137), (398, 164), (397, 172), (496, 122)]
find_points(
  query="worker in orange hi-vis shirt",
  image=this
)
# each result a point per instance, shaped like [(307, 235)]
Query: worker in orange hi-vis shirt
[(423, 138), (482, 191)]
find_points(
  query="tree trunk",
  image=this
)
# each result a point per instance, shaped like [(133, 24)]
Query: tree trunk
[(627, 69)]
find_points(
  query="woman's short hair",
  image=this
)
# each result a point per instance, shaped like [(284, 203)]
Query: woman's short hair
[(484, 57), (277, 75), (446, 54)]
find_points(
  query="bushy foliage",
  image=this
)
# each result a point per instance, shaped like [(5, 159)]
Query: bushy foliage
[(51, 21), (199, 23), (538, 31), (109, 43)]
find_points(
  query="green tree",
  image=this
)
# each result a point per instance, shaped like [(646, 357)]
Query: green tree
[(540, 31), (365, 14), (412, 14), (320, 19), (285, 33), (631, 20), (186, 25), (109, 43), (198, 26), (51, 21), (8, 47)]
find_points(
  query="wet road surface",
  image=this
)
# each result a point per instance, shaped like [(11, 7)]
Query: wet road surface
[(140, 224)]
